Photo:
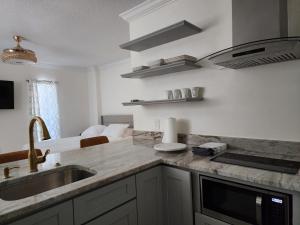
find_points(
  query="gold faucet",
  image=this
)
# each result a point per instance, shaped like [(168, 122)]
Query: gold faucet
[(34, 160)]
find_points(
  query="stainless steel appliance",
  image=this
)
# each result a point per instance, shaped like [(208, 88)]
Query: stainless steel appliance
[(263, 32), (239, 204)]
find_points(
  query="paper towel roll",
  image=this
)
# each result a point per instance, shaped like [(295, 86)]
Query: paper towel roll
[(170, 131)]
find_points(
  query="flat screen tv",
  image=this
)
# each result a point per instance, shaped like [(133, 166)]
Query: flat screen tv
[(6, 94)]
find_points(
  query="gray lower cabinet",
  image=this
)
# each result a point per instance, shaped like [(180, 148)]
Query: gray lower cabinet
[(164, 197), (123, 215), (149, 197), (95, 203), (177, 195), (61, 214), (201, 219), (158, 196)]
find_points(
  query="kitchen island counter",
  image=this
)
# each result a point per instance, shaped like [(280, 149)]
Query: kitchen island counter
[(118, 160)]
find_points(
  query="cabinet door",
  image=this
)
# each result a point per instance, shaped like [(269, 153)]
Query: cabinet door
[(177, 194), (124, 215), (61, 214), (149, 196)]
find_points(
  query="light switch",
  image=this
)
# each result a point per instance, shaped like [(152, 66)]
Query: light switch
[(157, 125)]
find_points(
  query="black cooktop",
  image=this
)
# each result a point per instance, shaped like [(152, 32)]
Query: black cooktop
[(278, 165)]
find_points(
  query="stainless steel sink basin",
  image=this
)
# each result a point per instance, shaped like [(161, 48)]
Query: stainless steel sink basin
[(37, 183)]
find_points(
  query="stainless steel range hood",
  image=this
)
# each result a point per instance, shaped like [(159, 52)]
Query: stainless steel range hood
[(264, 31)]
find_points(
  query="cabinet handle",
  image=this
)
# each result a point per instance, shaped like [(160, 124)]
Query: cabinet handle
[(258, 210)]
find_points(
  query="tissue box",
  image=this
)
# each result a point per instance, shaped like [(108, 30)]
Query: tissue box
[(215, 146), (209, 149)]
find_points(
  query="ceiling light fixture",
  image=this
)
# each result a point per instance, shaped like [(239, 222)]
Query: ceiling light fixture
[(18, 55)]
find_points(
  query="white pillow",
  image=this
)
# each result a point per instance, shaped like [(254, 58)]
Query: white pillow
[(93, 131), (115, 130)]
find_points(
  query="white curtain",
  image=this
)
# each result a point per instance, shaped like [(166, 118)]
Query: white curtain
[(43, 102)]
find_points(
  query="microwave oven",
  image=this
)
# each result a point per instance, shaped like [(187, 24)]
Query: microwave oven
[(240, 204)]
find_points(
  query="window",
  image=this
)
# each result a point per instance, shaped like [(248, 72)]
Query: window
[(43, 102)]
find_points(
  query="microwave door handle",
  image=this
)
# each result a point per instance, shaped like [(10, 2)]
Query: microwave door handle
[(258, 210)]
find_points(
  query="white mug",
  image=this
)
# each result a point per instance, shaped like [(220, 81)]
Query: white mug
[(197, 92), (177, 94), (187, 93)]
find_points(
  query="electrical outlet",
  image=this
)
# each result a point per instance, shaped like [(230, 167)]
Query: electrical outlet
[(157, 125)]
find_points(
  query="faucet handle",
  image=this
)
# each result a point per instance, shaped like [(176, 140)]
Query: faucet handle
[(7, 170), (47, 152), (41, 159), (45, 155)]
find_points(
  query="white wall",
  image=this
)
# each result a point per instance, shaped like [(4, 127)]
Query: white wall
[(73, 97), (259, 102), (93, 87), (113, 90)]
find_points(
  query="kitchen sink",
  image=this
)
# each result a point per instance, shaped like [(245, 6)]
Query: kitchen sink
[(33, 184)]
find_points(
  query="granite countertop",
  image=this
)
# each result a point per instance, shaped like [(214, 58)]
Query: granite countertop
[(117, 160)]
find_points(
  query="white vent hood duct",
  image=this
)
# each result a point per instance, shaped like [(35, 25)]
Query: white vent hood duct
[(264, 31)]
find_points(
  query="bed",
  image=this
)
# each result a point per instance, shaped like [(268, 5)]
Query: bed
[(71, 143)]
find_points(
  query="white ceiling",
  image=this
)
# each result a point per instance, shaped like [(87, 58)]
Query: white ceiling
[(67, 32)]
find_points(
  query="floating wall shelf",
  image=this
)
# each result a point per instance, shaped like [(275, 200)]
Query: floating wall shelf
[(164, 69), (166, 101), (163, 36)]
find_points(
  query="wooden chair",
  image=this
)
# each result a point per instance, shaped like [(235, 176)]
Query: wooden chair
[(15, 156), (93, 141)]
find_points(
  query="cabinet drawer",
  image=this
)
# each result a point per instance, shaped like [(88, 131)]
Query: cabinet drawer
[(124, 215), (201, 219), (95, 203), (61, 214)]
